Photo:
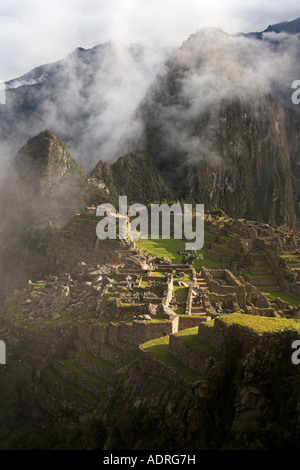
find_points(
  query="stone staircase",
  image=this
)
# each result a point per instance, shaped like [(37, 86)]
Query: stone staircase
[(261, 274), (198, 309)]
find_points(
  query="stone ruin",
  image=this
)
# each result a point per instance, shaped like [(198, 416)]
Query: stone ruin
[(280, 245)]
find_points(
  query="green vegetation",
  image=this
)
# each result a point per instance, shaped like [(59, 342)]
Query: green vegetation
[(80, 372), (261, 324), (292, 301), (20, 431), (159, 349), (55, 377), (180, 293), (136, 167), (181, 296), (12, 305), (163, 248), (107, 299), (237, 262), (190, 339)]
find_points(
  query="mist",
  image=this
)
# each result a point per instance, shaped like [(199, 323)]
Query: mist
[(86, 99), (210, 69)]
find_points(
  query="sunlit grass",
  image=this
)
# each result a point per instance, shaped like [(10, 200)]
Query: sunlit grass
[(190, 338), (159, 349), (261, 324)]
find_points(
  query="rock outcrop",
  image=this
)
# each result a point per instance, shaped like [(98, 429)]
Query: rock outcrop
[(210, 118)]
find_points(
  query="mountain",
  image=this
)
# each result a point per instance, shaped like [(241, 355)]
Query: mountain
[(275, 54), (45, 187), (290, 27), (42, 189), (86, 99), (212, 122), (211, 118), (134, 176), (106, 347)]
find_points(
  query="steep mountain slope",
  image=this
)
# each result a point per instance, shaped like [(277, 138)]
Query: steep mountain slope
[(212, 119), (134, 176), (43, 188), (290, 27), (86, 99)]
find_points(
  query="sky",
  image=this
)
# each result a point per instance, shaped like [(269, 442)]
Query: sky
[(35, 32)]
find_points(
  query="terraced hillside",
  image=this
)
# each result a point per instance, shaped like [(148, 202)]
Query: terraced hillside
[(78, 242), (71, 335), (218, 252), (192, 352), (252, 265)]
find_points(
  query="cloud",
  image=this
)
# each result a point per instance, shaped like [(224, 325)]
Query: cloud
[(34, 32), (184, 110)]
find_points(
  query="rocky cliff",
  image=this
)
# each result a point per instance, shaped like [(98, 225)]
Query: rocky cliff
[(135, 176), (86, 98), (210, 117), (41, 190)]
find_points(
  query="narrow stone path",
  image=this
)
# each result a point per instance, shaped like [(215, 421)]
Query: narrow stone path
[(198, 309)]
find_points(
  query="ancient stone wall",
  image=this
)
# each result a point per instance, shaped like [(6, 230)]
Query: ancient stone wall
[(189, 321), (169, 292), (234, 287), (213, 335), (223, 337), (135, 333), (189, 357), (154, 367), (189, 301)]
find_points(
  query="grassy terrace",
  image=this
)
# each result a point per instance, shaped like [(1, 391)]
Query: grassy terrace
[(190, 339), (181, 296), (261, 324), (169, 248), (55, 377), (159, 349), (163, 248), (101, 363), (271, 295), (80, 371)]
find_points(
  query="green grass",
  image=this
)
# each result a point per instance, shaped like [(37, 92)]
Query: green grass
[(224, 246), (163, 248), (180, 293), (81, 372), (261, 276), (261, 324), (169, 248), (290, 257), (261, 264), (54, 376), (190, 339), (108, 298), (159, 349), (179, 310), (271, 295), (90, 357)]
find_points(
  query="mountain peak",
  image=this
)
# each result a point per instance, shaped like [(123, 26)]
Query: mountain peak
[(291, 27), (42, 161)]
